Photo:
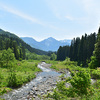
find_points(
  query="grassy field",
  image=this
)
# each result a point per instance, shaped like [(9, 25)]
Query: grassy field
[(17, 74), (63, 93), (64, 65)]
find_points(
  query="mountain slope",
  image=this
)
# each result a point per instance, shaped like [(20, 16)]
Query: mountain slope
[(19, 41), (49, 44), (32, 42)]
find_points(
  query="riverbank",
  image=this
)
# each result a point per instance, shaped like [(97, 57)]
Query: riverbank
[(48, 80), (17, 74), (37, 89), (73, 69), (44, 82)]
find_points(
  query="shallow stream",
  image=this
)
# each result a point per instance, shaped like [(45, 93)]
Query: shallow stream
[(44, 82), (21, 93)]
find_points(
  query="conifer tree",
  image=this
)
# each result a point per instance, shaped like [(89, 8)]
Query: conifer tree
[(97, 48), (15, 49)]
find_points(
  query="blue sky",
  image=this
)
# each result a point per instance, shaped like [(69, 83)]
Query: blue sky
[(40, 19)]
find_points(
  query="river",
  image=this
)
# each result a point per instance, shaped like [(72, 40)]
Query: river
[(44, 80)]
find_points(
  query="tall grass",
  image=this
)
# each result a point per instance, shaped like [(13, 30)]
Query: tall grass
[(16, 74)]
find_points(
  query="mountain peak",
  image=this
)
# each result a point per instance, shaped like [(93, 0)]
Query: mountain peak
[(50, 38), (49, 44)]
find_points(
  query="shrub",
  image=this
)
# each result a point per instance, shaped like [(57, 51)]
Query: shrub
[(95, 74), (94, 63), (1, 77), (81, 83), (80, 87)]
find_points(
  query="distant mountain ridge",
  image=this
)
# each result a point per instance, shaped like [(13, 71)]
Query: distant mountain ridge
[(49, 44), (19, 41)]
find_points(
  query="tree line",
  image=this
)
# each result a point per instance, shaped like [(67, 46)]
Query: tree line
[(80, 50), (19, 41), (9, 42)]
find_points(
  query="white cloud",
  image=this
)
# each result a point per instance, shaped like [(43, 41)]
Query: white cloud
[(26, 17), (21, 14), (69, 17)]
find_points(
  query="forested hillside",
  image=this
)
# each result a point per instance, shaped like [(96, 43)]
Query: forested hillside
[(8, 39), (81, 49)]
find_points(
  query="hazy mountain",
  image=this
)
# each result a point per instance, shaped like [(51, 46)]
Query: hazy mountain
[(7, 35), (32, 42), (49, 44)]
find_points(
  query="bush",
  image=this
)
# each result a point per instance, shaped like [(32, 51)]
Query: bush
[(1, 77), (94, 63), (13, 79), (95, 74), (80, 87), (81, 83)]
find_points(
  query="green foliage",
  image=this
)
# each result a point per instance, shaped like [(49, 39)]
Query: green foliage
[(4, 90), (59, 93), (7, 56), (80, 87), (95, 59), (6, 41), (68, 62), (1, 77), (33, 56), (62, 66), (53, 56), (13, 79), (63, 52), (16, 74), (95, 74), (80, 49), (94, 63), (81, 83), (97, 47), (54, 67), (96, 52)]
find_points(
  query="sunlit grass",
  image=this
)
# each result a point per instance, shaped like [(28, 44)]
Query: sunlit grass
[(24, 70)]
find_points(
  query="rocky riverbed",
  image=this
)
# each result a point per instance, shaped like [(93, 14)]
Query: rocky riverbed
[(44, 82), (48, 80)]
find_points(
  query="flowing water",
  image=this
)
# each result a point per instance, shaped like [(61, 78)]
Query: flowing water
[(20, 93), (42, 81)]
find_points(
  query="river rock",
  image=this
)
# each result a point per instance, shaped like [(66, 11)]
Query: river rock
[(42, 93), (36, 87), (31, 93), (34, 96)]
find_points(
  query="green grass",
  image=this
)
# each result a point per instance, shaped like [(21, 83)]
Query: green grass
[(62, 65), (72, 66), (24, 71)]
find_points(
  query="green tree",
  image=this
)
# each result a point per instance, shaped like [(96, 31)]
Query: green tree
[(94, 63), (7, 56), (95, 59), (21, 53), (15, 49), (53, 56), (59, 53), (97, 48), (23, 50)]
